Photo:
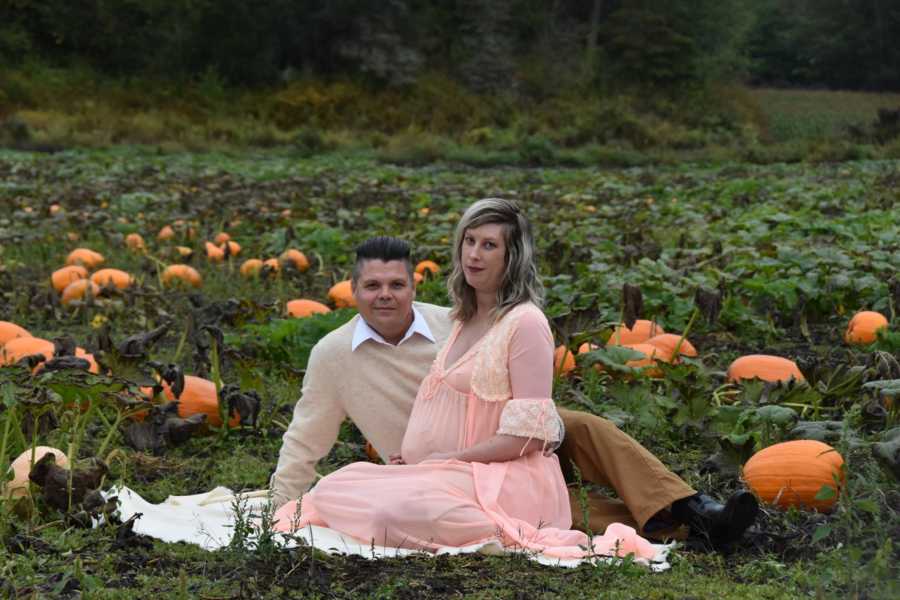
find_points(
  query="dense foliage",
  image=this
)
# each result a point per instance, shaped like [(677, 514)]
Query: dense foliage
[(522, 46)]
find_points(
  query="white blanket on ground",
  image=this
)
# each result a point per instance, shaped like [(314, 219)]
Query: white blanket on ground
[(208, 521)]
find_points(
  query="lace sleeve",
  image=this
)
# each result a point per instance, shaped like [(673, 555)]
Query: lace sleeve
[(531, 412)]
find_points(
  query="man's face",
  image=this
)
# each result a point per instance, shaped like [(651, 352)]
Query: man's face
[(384, 295)]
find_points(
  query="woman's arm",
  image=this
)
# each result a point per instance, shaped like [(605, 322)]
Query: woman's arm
[(531, 377)]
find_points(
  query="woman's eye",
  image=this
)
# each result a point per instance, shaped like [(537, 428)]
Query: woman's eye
[(490, 245)]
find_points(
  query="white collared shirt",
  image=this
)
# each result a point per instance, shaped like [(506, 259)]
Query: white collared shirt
[(365, 332)]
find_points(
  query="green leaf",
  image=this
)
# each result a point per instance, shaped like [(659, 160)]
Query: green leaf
[(826, 492), (821, 532)]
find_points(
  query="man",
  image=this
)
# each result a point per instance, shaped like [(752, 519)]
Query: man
[(370, 368)]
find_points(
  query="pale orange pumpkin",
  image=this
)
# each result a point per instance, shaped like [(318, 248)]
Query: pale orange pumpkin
[(667, 342), (18, 348), (642, 331), (221, 238), (214, 253), (60, 278), (134, 241), (251, 267), (199, 397), (296, 258), (273, 264), (185, 274), (21, 468), (114, 277), (341, 294), (428, 265), (305, 308), (863, 327), (78, 289), (166, 233), (792, 474), (233, 247), (10, 331), (563, 361), (85, 257), (765, 367)]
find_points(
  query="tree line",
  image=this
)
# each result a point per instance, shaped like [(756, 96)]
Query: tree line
[(530, 47)]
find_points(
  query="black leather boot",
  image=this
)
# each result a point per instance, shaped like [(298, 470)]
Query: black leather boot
[(720, 524)]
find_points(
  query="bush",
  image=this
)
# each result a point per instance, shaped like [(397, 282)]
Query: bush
[(413, 148)]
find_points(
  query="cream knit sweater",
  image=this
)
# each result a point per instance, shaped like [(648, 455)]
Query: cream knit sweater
[(374, 386)]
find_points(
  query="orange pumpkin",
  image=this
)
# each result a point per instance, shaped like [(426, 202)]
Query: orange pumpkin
[(233, 247), (765, 367), (863, 327), (78, 289), (114, 277), (85, 257), (428, 265), (341, 294), (10, 331), (134, 241), (296, 258), (60, 278), (199, 397), (274, 265), (652, 354), (174, 274), (792, 473), (642, 331), (563, 361), (166, 233), (221, 238), (18, 348), (214, 253), (251, 267), (304, 308), (372, 453), (666, 344), (418, 278)]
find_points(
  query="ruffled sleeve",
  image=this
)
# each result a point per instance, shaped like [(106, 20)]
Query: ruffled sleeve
[(530, 413)]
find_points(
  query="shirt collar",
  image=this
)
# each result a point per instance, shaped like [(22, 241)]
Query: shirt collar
[(365, 332)]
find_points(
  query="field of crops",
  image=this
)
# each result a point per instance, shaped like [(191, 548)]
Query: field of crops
[(740, 259)]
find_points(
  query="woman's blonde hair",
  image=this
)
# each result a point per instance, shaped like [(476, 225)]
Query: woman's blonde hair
[(521, 282)]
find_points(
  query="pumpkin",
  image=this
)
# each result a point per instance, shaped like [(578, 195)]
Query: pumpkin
[(792, 473), (666, 344), (78, 289), (304, 308), (199, 397), (60, 278), (652, 354), (174, 274), (563, 361), (341, 294), (166, 233), (863, 327), (296, 258), (589, 347), (134, 241), (18, 348), (273, 264), (112, 277), (765, 367), (221, 238), (85, 257), (54, 209), (428, 265), (233, 247), (184, 251), (251, 267), (372, 453), (21, 468), (10, 331), (418, 278), (642, 331), (80, 352), (214, 253)]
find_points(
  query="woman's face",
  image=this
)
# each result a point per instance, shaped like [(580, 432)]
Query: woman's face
[(483, 257)]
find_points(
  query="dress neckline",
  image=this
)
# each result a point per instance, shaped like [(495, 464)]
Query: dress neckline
[(465, 355)]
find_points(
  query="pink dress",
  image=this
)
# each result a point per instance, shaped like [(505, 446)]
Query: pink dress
[(501, 385)]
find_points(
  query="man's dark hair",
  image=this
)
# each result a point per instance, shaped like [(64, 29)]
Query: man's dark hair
[(383, 248)]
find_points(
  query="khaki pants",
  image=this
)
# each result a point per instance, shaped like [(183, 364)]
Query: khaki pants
[(607, 456)]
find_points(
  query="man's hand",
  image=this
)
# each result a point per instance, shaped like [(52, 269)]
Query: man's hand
[(396, 459)]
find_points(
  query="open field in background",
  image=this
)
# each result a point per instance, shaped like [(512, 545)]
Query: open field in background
[(794, 250), (817, 114), (438, 120)]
